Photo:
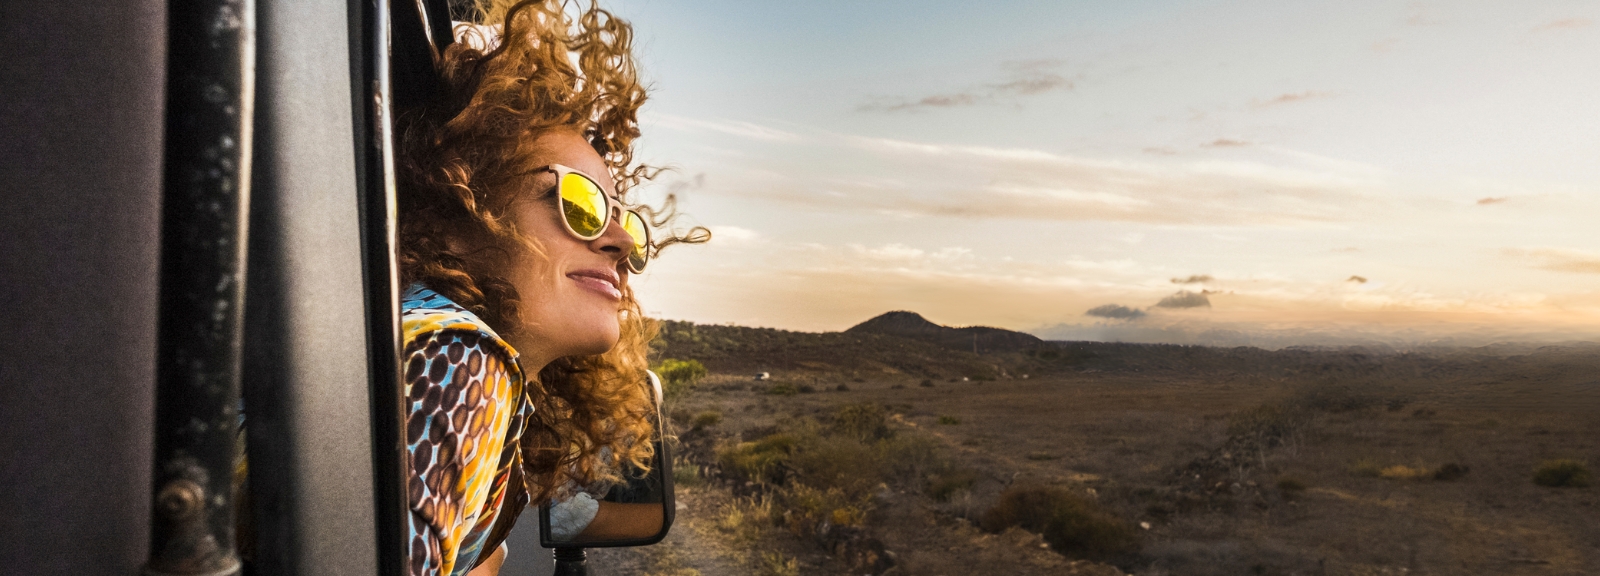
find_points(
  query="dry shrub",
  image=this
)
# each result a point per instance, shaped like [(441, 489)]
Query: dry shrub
[(706, 419), (1291, 485), (1403, 472), (948, 420), (1071, 524), (685, 473), (1563, 473), (837, 461), (1267, 425), (864, 422), (926, 383), (745, 518), (1366, 467), (776, 564), (1336, 398), (806, 508), (1450, 471), (946, 484)]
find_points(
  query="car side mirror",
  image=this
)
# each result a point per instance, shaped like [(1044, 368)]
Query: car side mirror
[(640, 507)]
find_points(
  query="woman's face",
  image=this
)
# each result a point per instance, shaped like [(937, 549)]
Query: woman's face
[(571, 296)]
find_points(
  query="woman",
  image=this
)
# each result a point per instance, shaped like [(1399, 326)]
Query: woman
[(524, 349)]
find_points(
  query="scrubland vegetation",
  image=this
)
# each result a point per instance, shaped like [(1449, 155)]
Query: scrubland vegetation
[(867, 453)]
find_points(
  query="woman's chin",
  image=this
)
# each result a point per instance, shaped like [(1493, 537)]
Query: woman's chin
[(598, 340)]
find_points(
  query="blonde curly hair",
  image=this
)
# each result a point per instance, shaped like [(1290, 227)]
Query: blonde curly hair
[(460, 162)]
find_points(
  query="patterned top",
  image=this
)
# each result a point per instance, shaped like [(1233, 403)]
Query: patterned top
[(466, 410)]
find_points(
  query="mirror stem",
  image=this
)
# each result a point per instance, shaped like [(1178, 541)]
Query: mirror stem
[(571, 562)]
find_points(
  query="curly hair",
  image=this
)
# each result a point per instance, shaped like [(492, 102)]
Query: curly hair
[(462, 157)]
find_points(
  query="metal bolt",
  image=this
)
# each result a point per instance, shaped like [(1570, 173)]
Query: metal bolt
[(180, 498)]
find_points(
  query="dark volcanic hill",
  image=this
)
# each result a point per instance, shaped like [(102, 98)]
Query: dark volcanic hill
[(972, 338)]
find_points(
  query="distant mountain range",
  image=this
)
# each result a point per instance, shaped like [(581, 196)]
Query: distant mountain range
[(971, 338)]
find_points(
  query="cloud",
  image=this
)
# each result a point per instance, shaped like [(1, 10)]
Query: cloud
[(1185, 299), (1194, 279), (1356, 279), (1492, 200), (1557, 259), (1288, 98), (1028, 78), (916, 179), (1160, 151), (1225, 143), (1346, 250), (1115, 312), (733, 234), (733, 127), (1564, 24)]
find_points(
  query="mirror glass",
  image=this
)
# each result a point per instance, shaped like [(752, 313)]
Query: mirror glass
[(634, 512)]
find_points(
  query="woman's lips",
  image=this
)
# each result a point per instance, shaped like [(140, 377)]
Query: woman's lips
[(601, 281)]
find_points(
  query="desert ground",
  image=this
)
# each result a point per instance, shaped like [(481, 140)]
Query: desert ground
[(882, 454)]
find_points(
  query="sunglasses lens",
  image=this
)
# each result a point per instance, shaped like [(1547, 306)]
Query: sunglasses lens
[(584, 205), (634, 224)]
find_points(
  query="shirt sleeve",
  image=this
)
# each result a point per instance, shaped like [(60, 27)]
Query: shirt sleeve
[(454, 430)]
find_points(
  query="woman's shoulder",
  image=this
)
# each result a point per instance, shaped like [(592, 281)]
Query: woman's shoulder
[(424, 312)]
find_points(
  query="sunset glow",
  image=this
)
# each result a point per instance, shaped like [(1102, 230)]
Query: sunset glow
[(1224, 172)]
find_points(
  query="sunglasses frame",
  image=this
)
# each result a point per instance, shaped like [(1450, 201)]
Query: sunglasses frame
[(614, 213)]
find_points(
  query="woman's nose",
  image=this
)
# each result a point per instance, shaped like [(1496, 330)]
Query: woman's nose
[(614, 241)]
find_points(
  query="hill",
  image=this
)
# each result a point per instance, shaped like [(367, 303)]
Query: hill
[(972, 338)]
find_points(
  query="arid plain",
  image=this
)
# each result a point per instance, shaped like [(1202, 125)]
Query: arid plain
[(894, 448)]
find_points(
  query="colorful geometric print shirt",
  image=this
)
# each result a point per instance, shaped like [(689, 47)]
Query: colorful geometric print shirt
[(466, 409)]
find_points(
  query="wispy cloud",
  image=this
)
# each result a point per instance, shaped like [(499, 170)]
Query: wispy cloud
[(1557, 259), (910, 179), (1225, 143), (1115, 312), (731, 127), (1289, 98), (1185, 299), (1492, 200), (1194, 279), (1356, 279), (1026, 78), (1564, 24)]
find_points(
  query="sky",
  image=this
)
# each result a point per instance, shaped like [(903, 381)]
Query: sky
[(1210, 172)]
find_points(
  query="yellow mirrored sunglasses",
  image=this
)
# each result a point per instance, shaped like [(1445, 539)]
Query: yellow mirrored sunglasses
[(586, 209)]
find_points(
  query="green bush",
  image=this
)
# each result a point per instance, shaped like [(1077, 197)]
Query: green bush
[(1562, 473), (783, 389), (1071, 524), (948, 420), (760, 461), (679, 376)]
